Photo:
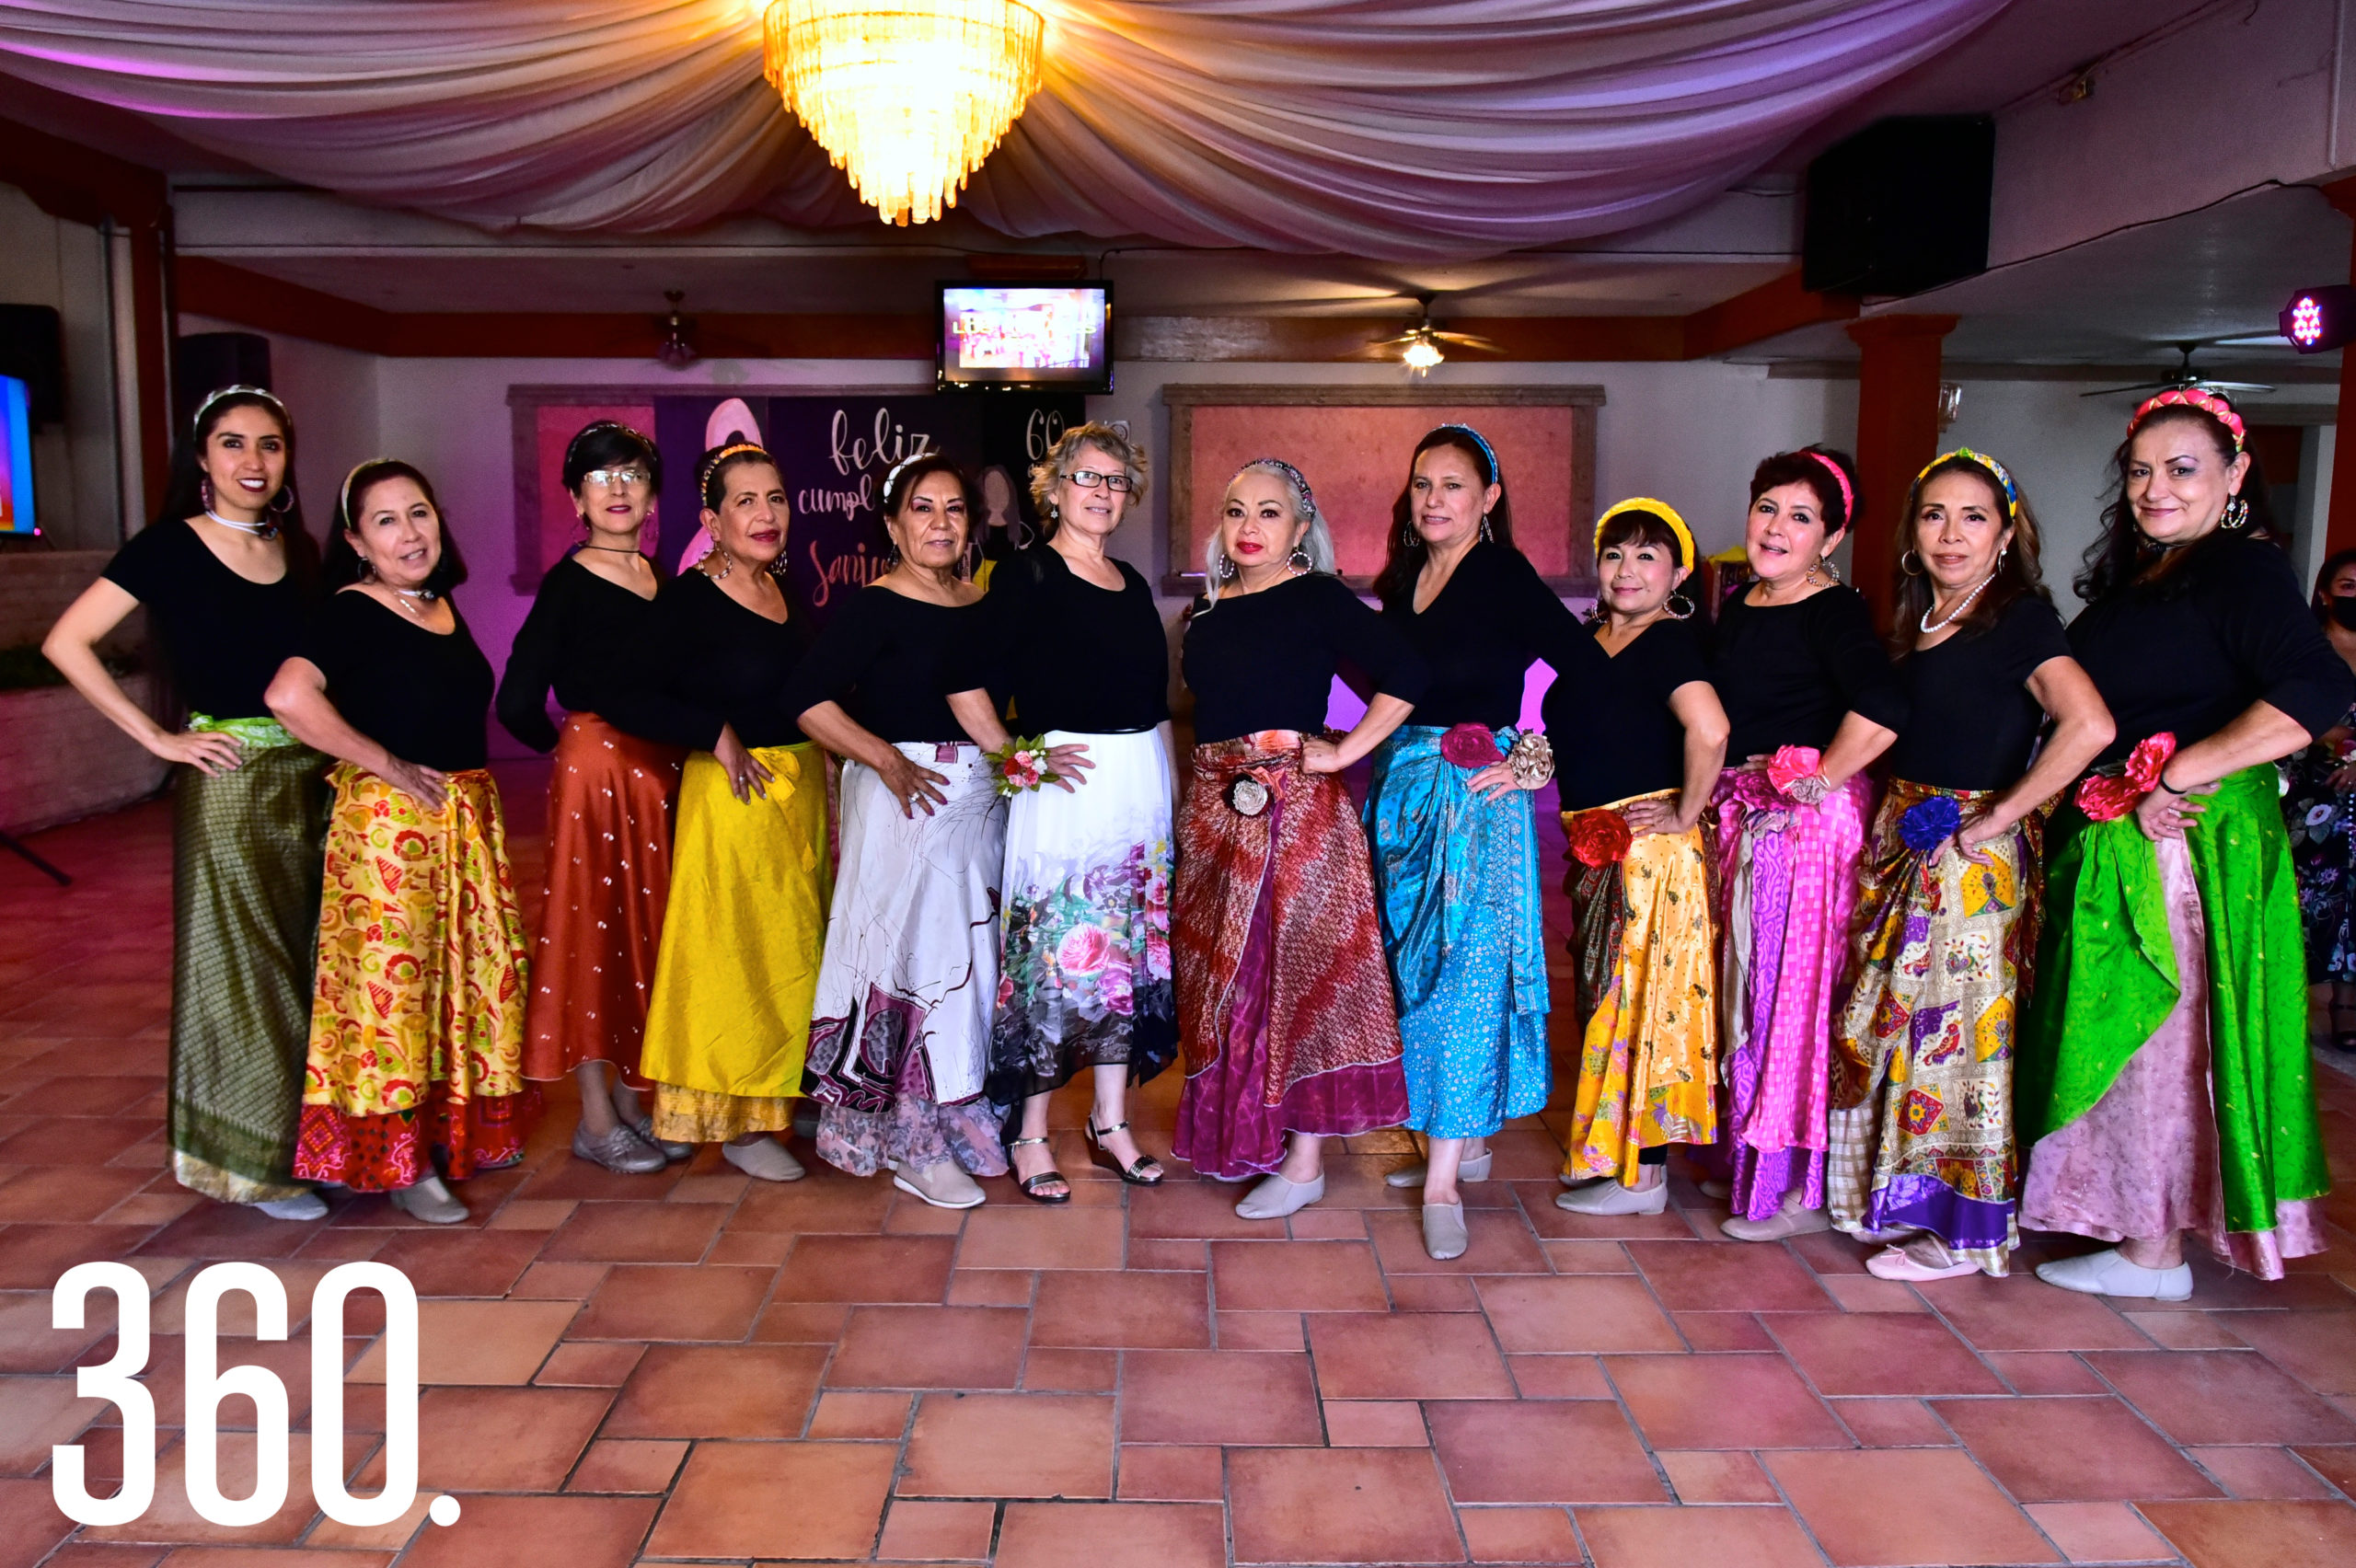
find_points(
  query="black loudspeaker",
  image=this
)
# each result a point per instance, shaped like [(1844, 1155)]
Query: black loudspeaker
[(205, 361), (32, 349), (1900, 206)]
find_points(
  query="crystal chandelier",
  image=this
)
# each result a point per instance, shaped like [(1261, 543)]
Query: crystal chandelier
[(908, 97)]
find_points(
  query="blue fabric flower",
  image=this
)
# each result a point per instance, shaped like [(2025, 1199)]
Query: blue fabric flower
[(1929, 822)]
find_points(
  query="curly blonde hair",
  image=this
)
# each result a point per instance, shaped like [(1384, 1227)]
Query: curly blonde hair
[(1109, 436)]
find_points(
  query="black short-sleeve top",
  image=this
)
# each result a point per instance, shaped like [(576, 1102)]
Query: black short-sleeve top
[(2188, 651), (1615, 734), (224, 635), (1266, 661), (578, 638), (1490, 620), (1966, 717), (705, 662), (882, 657), (423, 696), (1063, 654), (1788, 672)]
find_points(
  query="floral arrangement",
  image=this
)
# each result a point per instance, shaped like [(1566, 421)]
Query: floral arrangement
[(1929, 824), (1021, 766), (1792, 763), (2106, 797), (1599, 837)]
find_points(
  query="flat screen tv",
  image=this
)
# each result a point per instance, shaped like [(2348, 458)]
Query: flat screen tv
[(15, 457), (1053, 336)]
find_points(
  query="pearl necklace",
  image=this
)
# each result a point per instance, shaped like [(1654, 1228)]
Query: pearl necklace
[(1965, 604), (265, 529)]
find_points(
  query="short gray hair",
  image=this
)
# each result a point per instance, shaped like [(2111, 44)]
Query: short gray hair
[(1317, 543)]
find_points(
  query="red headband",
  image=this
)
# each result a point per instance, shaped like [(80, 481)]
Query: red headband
[(2194, 397), (1848, 498)]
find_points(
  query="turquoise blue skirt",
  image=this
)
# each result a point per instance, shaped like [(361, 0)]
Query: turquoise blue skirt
[(1456, 884)]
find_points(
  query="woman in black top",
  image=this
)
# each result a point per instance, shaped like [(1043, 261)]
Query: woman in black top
[(1642, 933), (610, 795), (1291, 1030), (1922, 1146), (417, 1025), (730, 1017), (1794, 654), (2166, 1091), (228, 576), (900, 1039), (1069, 638), (1455, 847)]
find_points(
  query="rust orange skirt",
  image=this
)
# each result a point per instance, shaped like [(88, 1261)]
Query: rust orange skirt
[(610, 803)]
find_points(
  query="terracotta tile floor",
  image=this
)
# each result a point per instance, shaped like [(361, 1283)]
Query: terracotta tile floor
[(695, 1367)]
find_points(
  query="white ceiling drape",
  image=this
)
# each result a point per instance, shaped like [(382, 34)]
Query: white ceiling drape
[(1383, 128)]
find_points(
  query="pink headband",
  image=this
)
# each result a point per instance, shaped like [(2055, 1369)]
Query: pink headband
[(2194, 397), (1848, 498)]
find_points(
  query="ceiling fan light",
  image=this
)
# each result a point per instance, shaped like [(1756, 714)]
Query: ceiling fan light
[(1421, 354)]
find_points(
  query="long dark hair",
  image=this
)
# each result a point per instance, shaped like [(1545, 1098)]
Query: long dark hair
[(344, 562), (184, 486), (2018, 572), (1406, 551), (2123, 552)]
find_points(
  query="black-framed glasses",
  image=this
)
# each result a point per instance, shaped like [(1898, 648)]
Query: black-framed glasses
[(1088, 479)]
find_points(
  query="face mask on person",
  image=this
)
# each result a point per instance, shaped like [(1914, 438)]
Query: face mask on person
[(2343, 610)]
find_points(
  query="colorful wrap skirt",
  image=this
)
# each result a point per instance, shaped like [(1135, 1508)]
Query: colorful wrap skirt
[(1084, 958), (2163, 1082), (900, 1038), (1788, 879), (1284, 998), (1922, 1052), (417, 1023), (1648, 976), (1456, 888), (608, 877), (730, 1019), (246, 846)]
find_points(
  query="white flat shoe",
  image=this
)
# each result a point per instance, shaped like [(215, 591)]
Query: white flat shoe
[(1780, 1226), (942, 1184), (303, 1205), (1896, 1263), (1444, 1233), (1413, 1175), (2108, 1274), (764, 1159), (1275, 1197), (430, 1201), (1610, 1197)]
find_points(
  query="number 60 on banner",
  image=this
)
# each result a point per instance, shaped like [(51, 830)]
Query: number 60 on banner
[(206, 1386)]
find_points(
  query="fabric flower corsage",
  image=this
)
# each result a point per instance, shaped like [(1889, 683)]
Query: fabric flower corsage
[(1929, 824), (2106, 797), (1021, 766), (1247, 795), (1791, 765), (1599, 837), (1470, 747)]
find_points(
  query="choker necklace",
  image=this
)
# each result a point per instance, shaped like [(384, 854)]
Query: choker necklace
[(408, 594), (265, 529), (1965, 604), (613, 549)]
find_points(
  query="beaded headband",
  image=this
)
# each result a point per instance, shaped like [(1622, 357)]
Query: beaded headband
[(711, 463), (2194, 397), (585, 431), (240, 390), (343, 496), (1299, 480), (1496, 469), (1848, 497), (1659, 509), (1996, 471)]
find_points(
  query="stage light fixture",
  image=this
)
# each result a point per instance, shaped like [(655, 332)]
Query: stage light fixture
[(2319, 320)]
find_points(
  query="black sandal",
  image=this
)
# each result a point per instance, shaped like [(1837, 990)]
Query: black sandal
[(1135, 1175), (1029, 1184)]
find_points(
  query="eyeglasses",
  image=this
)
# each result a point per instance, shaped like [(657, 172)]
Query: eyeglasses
[(1088, 479), (616, 478)]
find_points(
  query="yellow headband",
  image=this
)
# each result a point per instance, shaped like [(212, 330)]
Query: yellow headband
[(1659, 509)]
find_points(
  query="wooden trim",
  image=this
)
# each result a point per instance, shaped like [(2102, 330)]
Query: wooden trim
[(1196, 395), (208, 287), (1774, 308), (80, 184)]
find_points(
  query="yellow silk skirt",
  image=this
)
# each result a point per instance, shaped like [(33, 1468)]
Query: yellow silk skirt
[(729, 1020)]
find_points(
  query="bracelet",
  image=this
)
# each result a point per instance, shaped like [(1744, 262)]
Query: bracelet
[(2161, 778), (1530, 759)]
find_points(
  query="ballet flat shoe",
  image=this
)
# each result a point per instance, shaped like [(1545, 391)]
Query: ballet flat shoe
[(301, 1205), (1895, 1262), (1609, 1197), (1781, 1226), (430, 1201), (621, 1151), (1444, 1233), (1275, 1197), (2108, 1274), (1475, 1169), (942, 1184), (765, 1159)]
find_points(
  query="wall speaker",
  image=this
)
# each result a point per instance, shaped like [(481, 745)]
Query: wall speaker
[(1901, 207), (205, 361), (32, 349)]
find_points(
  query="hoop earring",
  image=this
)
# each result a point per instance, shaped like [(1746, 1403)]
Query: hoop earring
[(283, 502), (1408, 538), (1824, 564), (727, 561), (367, 570), (1226, 566), (1676, 597), (1916, 570), (1299, 561), (2236, 515)]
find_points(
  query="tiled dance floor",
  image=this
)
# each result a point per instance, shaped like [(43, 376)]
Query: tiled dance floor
[(690, 1366)]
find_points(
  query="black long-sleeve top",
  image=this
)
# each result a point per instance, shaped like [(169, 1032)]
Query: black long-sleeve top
[(1266, 661), (1966, 717), (226, 635), (705, 661), (577, 639), (1615, 734), (2225, 628), (423, 696), (881, 658), (1063, 652), (1787, 673), (1491, 618)]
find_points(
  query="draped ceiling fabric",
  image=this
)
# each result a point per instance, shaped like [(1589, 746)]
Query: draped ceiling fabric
[(1391, 129)]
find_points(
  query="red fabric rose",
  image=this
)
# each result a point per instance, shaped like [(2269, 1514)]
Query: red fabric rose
[(1600, 838), (1792, 763), (1470, 746), (2107, 797)]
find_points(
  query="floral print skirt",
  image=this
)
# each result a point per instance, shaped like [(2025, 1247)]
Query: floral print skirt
[(2323, 856)]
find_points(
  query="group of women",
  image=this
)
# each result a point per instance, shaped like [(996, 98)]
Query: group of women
[(1819, 984)]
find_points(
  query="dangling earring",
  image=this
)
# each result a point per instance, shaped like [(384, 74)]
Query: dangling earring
[(1824, 564), (1299, 561), (204, 494), (367, 570), (1226, 566), (1916, 570), (2236, 515), (1676, 598), (1485, 535), (1408, 538)]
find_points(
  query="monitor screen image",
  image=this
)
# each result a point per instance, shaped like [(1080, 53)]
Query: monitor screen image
[(1026, 335), (15, 457)]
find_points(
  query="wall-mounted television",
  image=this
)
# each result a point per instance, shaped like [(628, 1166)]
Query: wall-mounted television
[(1056, 336), (15, 456)]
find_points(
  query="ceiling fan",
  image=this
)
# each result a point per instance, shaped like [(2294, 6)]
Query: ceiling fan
[(1419, 346), (2184, 376)]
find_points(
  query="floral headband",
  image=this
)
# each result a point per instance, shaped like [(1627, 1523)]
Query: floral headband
[(1299, 480), (1995, 470), (2194, 397), (1848, 497), (240, 390), (1659, 509), (1496, 469)]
